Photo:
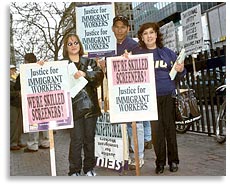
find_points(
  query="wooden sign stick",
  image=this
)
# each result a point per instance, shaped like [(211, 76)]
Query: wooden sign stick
[(52, 154), (136, 154)]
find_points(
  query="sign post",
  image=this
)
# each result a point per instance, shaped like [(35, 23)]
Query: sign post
[(135, 141), (52, 153)]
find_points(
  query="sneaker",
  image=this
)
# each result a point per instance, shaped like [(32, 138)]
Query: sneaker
[(141, 162), (132, 165), (29, 150), (43, 147), (22, 145), (91, 173), (129, 161), (130, 150), (76, 174)]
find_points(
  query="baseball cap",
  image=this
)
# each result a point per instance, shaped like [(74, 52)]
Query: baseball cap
[(12, 66), (122, 18)]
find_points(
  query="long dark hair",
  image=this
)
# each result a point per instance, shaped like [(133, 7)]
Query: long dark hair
[(65, 42), (156, 28)]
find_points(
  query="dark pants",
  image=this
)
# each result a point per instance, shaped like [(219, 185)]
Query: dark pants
[(164, 132), (82, 136)]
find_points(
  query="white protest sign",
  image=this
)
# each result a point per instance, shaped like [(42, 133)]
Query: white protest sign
[(132, 90), (111, 147), (94, 27), (169, 35), (192, 29), (45, 92)]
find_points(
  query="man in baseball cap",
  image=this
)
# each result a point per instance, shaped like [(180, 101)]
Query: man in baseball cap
[(121, 29), (126, 44)]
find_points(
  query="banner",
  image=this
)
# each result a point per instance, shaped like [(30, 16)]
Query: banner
[(132, 90), (111, 144), (94, 27), (192, 30), (45, 92)]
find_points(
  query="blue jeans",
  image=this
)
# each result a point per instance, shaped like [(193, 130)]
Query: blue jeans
[(147, 131), (140, 137)]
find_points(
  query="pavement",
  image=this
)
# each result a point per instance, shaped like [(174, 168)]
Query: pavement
[(199, 154)]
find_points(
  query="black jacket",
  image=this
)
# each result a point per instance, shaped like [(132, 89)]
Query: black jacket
[(15, 99), (94, 76)]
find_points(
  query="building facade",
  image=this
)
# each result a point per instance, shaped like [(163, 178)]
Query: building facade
[(164, 12), (126, 9)]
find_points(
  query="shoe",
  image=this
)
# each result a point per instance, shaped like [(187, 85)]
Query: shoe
[(42, 147), (148, 145), (130, 150), (29, 150), (173, 167), (15, 148), (22, 145), (159, 169), (132, 165), (91, 173), (76, 174), (129, 160)]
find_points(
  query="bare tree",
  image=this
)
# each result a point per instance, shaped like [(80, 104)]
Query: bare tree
[(40, 28), (12, 56)]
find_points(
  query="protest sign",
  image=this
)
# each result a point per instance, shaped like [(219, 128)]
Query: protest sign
[(192, 29), (94, 25), (45, 92), (132, 90), (169, 35), (111, 147)]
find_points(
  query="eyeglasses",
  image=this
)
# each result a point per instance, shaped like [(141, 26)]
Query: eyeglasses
[(75, 43)]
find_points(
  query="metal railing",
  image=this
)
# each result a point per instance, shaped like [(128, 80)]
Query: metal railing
[(209, 68)]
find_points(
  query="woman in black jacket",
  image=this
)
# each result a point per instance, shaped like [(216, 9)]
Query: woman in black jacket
[(83, 133)]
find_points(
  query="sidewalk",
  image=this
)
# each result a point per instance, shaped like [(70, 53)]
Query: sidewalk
[(200, 155)]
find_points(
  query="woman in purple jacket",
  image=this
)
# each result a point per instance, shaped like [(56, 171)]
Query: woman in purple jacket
[(163, 131)]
